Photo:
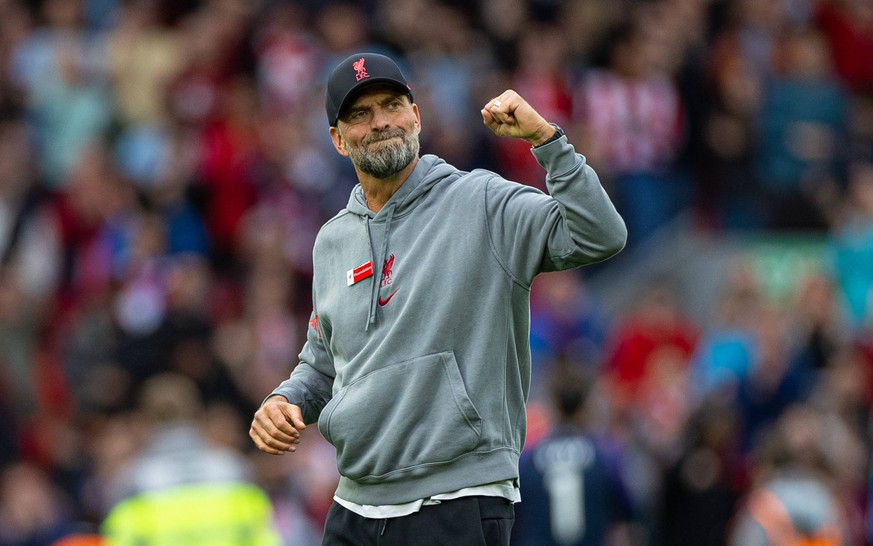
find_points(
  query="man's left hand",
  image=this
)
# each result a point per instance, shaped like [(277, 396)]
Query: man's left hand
[(509, 115)]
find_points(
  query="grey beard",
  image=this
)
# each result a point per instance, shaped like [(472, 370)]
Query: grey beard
[(388, 159)]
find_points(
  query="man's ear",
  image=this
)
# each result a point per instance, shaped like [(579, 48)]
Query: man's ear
[(417, 117), (338, 142)]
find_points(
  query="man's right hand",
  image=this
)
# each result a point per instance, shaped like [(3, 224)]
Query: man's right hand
[(276, 426)]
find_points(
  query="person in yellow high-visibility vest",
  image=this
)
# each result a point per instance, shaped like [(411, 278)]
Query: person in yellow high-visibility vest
[(181, 490), (230, 514)]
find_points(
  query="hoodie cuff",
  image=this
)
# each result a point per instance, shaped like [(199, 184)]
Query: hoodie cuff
[(557, 157)]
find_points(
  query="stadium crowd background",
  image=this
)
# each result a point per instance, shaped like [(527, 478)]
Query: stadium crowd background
[(165, 165)]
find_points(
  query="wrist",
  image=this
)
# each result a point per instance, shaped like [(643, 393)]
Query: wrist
[(274, 398), (550, 133)]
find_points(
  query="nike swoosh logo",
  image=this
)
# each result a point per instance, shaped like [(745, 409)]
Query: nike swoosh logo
[(384, 301)]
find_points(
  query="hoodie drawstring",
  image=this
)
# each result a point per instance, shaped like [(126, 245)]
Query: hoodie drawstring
[(378, 260)]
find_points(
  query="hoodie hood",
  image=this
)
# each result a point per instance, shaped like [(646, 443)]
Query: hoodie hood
[(429, 170)]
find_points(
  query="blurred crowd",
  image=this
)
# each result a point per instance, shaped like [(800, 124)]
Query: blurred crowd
[(165, 166)]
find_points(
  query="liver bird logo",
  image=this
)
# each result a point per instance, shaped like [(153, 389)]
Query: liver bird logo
[(386, 271), (361, 72), (387, 280)]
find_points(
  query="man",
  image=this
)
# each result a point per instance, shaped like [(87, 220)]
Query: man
[(573, 493), (417, 361)]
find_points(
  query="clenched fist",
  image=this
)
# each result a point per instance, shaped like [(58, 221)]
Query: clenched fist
[(276, 426), (509, 115)]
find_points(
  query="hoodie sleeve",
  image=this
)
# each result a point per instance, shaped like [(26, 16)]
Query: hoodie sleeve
[(310, 385), (575, 225)]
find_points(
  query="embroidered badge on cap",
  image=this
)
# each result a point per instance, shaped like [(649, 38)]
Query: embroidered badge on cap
[(361, 72)]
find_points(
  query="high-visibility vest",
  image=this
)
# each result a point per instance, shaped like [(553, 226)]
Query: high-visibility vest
[(214, 514)]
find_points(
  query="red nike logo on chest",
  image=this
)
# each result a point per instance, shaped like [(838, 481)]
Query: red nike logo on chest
[(384, 301)]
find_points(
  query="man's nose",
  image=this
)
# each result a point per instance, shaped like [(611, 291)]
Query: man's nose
[(380, 119)]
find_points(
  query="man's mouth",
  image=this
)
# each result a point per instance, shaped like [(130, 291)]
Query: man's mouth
[(385, 138)]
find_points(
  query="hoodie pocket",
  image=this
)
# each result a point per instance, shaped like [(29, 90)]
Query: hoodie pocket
[(401, 419)]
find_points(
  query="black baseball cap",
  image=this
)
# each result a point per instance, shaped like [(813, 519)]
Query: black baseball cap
[(356, 72)]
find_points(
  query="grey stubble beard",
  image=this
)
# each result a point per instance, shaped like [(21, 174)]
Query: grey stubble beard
[(389, 158)]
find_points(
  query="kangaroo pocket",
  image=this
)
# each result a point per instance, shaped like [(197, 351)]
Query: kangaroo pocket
[(401, 419)]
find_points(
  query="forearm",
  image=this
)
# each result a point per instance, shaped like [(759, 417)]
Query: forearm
[(310, 385), (308, 389), (587, 212)]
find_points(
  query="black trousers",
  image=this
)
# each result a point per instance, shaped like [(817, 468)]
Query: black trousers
[(467, 521)]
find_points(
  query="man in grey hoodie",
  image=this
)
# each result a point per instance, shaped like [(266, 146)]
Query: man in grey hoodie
[(417, 360)]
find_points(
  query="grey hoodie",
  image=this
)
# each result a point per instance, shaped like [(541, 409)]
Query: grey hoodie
[(418, 374)]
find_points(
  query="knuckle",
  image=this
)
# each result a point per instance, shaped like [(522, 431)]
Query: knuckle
[(275, 442)]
